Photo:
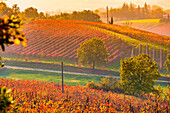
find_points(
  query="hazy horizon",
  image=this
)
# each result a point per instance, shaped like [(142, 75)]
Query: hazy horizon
[(78, 5)]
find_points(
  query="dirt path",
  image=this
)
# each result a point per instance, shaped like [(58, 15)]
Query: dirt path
[(55, 71), (79, 73)]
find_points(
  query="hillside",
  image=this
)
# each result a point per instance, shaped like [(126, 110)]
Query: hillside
[(151, 25), (60, 39)]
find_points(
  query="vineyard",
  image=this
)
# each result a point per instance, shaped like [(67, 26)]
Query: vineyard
[(60, 39), (152, 25), (47, 68), (41, 96)]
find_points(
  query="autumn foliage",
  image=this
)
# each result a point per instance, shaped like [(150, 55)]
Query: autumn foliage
[(136, 33), (10, 32), (41, 96), (62, 38)]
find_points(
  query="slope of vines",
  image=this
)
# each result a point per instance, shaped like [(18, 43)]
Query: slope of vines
[(61, 39), (46, 97), (136, 33)]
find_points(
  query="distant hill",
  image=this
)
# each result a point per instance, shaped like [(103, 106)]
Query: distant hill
[(152, 25), (60, 39)]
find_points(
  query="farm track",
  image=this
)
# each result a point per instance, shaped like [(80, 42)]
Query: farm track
[(76, 70)]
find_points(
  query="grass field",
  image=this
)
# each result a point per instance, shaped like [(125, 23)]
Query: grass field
[(142, 21), (70, 79), (48, 76)]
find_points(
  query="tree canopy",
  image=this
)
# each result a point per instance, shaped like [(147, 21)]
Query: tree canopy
[(31, 12), (93, 52), (138, 73), (133, 12)]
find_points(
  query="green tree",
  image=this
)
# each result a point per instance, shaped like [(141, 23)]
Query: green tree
[(4, 10), (15, 9), (167, 63), (85, 15), (3, 6), (138, 73), (111, 20), (146, 11), (93, 52), (41, 15), (31, 12)]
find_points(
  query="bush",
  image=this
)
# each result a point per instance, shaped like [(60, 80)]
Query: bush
[(107, 84), (138, 74), (92, 85), (111, 84), (5, 100)]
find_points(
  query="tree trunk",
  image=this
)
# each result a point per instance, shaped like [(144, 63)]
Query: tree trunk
[(153, 53), (107, 15), (160, 65), (132, 54), (93, 65), (147, 49), (62, 68)]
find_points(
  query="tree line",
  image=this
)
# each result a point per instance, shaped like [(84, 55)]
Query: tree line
[(31, 13), (126, 12), (133, 12)]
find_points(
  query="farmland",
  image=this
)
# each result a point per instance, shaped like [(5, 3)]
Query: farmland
[(58, 40), (152, 25), (69, 79), (42, 96), (48, 70)]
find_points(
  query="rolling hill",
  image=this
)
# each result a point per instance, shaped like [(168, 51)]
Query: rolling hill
[(151, 25), (60, 39)]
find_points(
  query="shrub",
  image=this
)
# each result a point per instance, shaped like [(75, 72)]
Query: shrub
[(5, 99), (107, 84), (92, 85)]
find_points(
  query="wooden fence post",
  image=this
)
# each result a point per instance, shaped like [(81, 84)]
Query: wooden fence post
[(62, 77)]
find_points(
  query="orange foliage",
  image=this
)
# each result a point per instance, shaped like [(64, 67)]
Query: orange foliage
[(39, 96), (62, 38)]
